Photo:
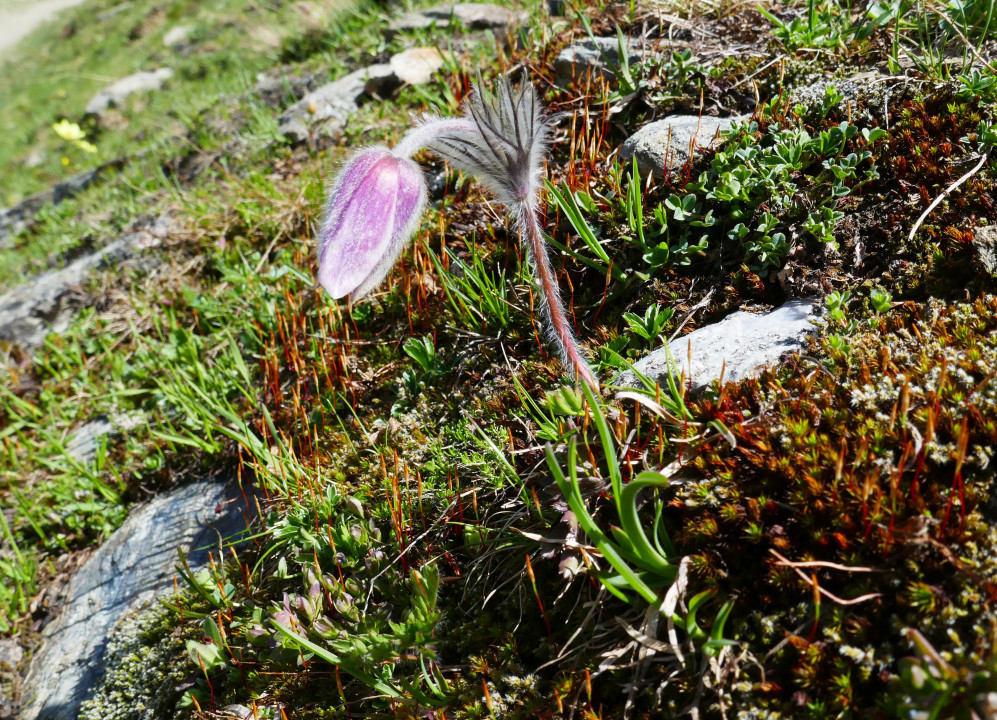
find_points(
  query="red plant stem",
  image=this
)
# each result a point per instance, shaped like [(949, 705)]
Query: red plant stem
[(558, 327)]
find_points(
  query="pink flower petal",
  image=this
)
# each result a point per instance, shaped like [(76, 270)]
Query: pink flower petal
[(374, 208)]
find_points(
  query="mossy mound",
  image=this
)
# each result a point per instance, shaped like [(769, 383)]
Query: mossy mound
[(147, 669), (864, 474)]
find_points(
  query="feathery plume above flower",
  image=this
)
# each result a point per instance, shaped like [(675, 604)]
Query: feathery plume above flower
[(504, 142), (375, 203)]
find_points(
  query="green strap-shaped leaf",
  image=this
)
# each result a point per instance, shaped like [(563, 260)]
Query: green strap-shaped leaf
[(650, 558), (572, 495)]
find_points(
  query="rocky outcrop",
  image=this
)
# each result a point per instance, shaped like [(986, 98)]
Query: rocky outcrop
[(177, 36), (14, 219), (135, 565), (115, 93), (985, 245), (738, 346), (330, 106), (667, 144), (472, 16), (31, 311), (82, 444), (593, 57), (277, 87)]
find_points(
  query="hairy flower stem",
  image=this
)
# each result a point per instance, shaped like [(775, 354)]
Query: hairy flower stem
[(422, 135), (501, 139), (528, 224)]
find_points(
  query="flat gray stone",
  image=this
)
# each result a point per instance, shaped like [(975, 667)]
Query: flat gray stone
[(985, 244), (29, 312), (479, 16), (739, 346), (116, 92), (114, 11), (14, 219), (416, 66), (664, 145), (277, 87), (135, 565), (34, 158), (11, 655), (177, 36), (864, 94), (414, 21), (595, 58), (331, 105), (82, 444), (75, 185), (473, 16)]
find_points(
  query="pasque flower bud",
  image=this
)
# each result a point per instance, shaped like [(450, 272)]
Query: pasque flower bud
[(373, 209)]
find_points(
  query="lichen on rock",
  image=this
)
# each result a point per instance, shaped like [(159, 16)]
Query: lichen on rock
[(147, 665)]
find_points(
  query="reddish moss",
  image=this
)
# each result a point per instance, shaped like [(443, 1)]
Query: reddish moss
[(880, 460)]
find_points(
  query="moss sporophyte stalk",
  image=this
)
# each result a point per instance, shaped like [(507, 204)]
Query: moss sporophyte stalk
[(377, 199)]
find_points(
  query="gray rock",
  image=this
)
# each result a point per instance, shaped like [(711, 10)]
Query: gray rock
[(414, 21), (177, 36), (82, 444), (114, 11), (34, 158), (416, 66), (31, 311), (75, 185), (116, 92), (239, 712), (479, 16), (331, 105), (14, 219), (745, 341), (593, 58), (274, 90), (146, 671), (11, 655), (865, 94), (473, 16), (135, 565), (665, 144), (985, 243)]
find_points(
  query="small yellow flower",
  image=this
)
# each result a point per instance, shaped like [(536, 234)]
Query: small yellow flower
[(68, 131), (65, 161)]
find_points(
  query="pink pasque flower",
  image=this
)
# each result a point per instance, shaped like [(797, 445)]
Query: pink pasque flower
[(375, 203), (373, 209)]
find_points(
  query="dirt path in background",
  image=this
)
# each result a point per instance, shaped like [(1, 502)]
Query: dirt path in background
[(19, 18)]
